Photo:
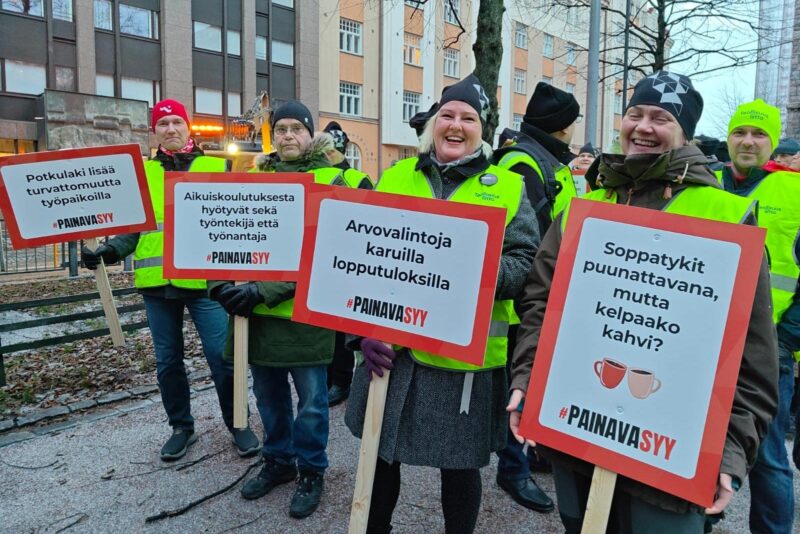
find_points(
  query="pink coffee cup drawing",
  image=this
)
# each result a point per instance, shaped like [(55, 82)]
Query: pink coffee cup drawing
[(642, 382), (610, 372)]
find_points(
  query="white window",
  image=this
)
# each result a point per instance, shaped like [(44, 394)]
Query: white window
[(353, 155), (234, 104), (27, 78), (573, 16), (29, 7), (572, 54), (104, 85), (451, 63), (234, 43), (261, 47), (350, 36), (520, 35), (415, 3), (519, 81), (618, 104), (207, 101), (411, 51), (548, 80), (517, 121), (139, 89), (452, 11), (407, 152), (138, 21), (103, 15), (410, 105), (65, 78), (207, 37), (62, 10), (549, 46), (349, 98), (570, 88), (282, 52), (287, 3)]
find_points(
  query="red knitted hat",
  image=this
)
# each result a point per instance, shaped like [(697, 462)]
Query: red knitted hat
[(168, 107)]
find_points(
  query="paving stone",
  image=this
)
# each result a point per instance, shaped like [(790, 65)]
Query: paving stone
[(7, 424), (113, 397), (55, 427), (14, 437), (197, 375), (40, 415), (133, 406), (96, 415), (81, 405), (203, 387), (143, 390)]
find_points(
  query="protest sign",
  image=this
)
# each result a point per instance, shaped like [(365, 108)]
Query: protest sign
[(415, 272), (234, 226), (64, 195), (646, 387)]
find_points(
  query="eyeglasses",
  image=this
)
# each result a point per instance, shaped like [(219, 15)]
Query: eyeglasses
[(295, 129), (579, 118)]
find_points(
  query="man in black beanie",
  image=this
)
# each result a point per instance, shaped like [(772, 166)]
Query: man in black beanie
[(710, 146)]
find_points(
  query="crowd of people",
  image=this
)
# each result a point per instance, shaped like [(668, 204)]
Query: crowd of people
[(750, 178)]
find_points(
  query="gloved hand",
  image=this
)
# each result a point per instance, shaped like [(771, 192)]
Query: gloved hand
[(92, 259), (239, 300), (377, 356)]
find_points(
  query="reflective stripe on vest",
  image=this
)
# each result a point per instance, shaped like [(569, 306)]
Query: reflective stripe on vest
[(563, 176), (148, 258), (506, 193)]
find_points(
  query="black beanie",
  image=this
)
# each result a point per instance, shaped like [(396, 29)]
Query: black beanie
[(673, 93), (787, 146), (470, 91), (550, 109), (292, 109), (419, 120), (707, 145), (588, 149), (340, 138)]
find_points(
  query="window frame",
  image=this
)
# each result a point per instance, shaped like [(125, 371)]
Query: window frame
[(412, 52), (452, 14), (110, 6), (548, 46), (350, 95), (152, 18), (520, 35), (411, 104), (455, 61), (520, 81), (351, 34)]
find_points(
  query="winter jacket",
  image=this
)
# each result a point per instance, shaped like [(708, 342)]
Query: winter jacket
[(643, 181)]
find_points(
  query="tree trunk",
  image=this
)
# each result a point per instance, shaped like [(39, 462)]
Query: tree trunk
[(488, 50)]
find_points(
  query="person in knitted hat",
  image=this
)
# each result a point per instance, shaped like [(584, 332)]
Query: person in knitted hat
[(585, 158), (166, 300), (710, 146), (660, 171), (787, 153), (754, 130)]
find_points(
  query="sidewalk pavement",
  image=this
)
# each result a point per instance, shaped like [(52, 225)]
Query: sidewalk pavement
[(104, 475)]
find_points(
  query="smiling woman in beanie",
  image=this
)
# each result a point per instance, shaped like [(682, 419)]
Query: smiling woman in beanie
[(658, 170)]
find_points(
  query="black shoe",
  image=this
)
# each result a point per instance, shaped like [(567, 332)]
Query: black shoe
[(272, 474), (337, 395), (246, 442), (525, 492), (307, 495), (177, 445)]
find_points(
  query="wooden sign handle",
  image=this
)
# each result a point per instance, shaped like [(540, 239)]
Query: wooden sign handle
[(598, 506), (107, 298), (240, 349), (368, 455)]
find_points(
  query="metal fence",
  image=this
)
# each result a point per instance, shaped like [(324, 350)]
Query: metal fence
[(29, 260)]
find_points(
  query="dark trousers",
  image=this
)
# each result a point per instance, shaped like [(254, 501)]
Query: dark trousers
[(340, 370)]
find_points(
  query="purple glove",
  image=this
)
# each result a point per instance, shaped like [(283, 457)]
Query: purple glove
[(377, 356)]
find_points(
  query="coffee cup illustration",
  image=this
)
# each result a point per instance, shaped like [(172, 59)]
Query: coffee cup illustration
[(642, 382), (610, 372)]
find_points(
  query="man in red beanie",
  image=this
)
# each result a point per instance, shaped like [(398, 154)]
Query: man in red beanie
[(165, 300)]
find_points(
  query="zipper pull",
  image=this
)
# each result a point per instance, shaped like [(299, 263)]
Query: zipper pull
[(630, 194)]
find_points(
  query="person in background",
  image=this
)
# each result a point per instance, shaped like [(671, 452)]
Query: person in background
[(710, 146), (787, 154), (585, 158)]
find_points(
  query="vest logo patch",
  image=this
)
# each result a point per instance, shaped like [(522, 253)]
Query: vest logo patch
[(487, 197), (769, 210)]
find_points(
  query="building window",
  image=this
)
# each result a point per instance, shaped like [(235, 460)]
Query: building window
[(517, 121), (104, 85), (572, 54), (139, 89), (234, 44), (618, 104), (207, 101), (26, 78), (138, 21), (570, 88), (548, 47), (287, 3), (415, 4), (411, 51), (573, 16), (282, 52), (65, 78), (350, 36), (451, 63), (452, 10), (103, 15), (519, 81), (207, 37), (349, 98), (234, 104), (62, 10), (547, 79), (410, 105), (353, 155), (520, 35), (261, 47), (28, 7), (407, 152)]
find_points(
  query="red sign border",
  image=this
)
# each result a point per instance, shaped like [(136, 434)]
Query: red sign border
[(173, 178), (132, 150), (699, 489), (474, 352)]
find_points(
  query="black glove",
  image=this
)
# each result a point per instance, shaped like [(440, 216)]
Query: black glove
[(92, 259), (239, 300)]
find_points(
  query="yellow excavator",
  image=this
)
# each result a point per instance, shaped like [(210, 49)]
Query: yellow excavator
[(244, 147)]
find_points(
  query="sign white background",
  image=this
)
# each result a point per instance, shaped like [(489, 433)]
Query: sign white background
[(36, 220), (685, 363), (193, 246), (451, 314)]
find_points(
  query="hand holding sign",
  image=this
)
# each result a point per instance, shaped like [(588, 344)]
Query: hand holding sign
[(377, 356)]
